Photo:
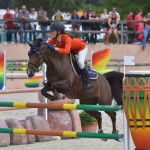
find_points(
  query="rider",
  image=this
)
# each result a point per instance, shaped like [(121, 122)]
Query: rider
[(64, 43)]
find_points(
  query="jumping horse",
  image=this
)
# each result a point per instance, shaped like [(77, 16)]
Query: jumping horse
[(61, 78)]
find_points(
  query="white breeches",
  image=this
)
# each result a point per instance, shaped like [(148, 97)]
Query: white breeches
[(81, 57)]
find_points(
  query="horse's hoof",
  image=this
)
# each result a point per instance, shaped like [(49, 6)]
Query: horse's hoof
[(101, 131), (116, 132)]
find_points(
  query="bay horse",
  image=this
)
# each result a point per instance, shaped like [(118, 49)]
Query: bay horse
[(62, 79)]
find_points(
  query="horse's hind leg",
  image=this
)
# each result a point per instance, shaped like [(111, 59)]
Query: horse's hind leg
[(98, 117), (113, 119)]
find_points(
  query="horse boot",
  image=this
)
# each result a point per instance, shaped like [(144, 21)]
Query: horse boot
[(85, 76)]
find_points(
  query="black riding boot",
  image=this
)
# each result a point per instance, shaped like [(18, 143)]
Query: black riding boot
[(85, 76)]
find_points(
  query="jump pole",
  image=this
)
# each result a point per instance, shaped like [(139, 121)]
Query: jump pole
[(61, 106), (23, 90), (62, 133)]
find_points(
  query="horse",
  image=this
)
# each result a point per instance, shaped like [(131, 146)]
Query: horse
[(61, 78)]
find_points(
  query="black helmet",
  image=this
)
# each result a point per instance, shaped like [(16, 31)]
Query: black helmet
[(57, 26)]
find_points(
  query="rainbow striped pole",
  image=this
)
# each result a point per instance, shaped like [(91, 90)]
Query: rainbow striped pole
[(61, 106), (62, 133)]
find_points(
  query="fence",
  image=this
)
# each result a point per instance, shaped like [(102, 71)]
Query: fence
[(123, 32)]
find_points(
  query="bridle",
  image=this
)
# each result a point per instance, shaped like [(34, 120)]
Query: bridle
[(33, 49)]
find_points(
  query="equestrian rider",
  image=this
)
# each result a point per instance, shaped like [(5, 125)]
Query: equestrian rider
[(64, 43)]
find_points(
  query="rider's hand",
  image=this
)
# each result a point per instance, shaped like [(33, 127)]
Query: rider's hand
[(52, 47)]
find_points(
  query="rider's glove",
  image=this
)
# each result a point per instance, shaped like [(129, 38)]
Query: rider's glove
[(52, 47)]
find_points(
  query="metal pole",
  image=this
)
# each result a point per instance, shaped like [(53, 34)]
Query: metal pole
[(121, 32), (126, 133), (125, 124), (45, 110)]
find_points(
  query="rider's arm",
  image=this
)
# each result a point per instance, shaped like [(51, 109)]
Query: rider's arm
[(67, 42)]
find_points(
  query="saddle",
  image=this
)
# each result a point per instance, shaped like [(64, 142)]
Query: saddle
[(92, 73)]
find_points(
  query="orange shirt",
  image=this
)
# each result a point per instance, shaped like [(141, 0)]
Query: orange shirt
[(67, 44)]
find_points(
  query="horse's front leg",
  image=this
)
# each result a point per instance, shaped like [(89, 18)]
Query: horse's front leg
[(61, 86), (44, 92)]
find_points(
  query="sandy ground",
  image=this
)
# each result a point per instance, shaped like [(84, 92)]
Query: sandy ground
[(67, 144)]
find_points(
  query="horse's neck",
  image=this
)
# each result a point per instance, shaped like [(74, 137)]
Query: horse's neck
[(58, 64)]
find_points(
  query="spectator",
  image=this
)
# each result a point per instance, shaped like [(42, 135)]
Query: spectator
[(44, 22), (94, 26), (75, 25), (131, 26), (9, 24), (104, 18), (17, 25), (113, 22), (146, 30), (58, 16), (85, 26), (139, 26), (114, 10), (33, 17), (24, 23)]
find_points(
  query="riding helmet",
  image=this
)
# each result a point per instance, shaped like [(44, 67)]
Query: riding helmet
[(57, 26)]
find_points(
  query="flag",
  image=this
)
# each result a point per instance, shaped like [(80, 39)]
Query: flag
[(129, 60)]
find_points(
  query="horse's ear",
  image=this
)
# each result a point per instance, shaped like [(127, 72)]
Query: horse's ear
[(39, 41), (30, 44)]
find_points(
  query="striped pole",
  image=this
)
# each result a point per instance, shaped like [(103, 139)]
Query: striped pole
[(62, 133), (16, 68), (10, 64), (61, 106), (23, 90)]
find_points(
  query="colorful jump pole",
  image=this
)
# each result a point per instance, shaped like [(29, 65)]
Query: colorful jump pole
[(61, 106), (62, 133)]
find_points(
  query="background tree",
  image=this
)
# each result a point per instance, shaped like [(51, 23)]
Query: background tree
[(51, 5), (123, 6)]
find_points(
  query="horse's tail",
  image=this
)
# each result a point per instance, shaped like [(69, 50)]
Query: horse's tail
[(115, 80)]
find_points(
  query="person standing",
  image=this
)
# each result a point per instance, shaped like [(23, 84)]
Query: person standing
[(85, 26), (75, 16), (139, 26), (24, 23), (17, 25), (9, 24), (104, 18), (43, 22), (131, 26), (58, 16), (146, 30), (33, 17), (94, 26)]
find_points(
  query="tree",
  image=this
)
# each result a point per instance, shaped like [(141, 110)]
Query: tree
[(51, 5)]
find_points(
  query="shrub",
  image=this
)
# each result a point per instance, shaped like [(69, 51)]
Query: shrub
[(86, 118)]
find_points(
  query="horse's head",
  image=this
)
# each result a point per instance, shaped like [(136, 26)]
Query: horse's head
[(35, 57)]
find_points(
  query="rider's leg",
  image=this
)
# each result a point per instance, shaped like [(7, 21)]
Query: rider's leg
[(84, 73)]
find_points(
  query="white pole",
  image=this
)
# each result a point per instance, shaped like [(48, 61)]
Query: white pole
[(126, 133), (45, 110), (125, 124)]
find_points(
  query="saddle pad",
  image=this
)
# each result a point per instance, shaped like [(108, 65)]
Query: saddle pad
[(92, 74)]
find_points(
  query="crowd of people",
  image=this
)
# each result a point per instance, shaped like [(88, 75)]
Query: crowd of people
[(26, 20), (108, 22)]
